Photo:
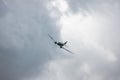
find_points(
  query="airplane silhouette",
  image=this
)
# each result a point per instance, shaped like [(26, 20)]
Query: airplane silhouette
[(60, 44)]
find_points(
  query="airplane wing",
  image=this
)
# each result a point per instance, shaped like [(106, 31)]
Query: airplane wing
[(67, 50), (51, 37)]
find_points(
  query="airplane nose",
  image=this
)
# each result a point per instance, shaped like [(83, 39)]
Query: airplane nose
[(55, 42)]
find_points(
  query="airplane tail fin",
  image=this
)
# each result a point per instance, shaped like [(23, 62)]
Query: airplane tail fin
[(65, 43)]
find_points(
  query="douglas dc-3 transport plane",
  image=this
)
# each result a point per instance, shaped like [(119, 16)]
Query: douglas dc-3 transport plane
[(60, 44)]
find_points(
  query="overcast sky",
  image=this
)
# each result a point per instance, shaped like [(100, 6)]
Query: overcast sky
[(91, 28)]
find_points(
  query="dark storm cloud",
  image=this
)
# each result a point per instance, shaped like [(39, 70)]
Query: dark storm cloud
[(24, 44)]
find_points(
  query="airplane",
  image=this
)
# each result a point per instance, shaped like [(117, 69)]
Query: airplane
[(60, 44)]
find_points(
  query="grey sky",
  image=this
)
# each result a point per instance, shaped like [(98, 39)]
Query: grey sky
[(26, 52), (24, 44)]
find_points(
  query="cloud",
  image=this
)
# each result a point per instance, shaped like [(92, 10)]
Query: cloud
[(91, 5), (98, 57), (3, 8), (88, 65), (24, 44), (27, 53)]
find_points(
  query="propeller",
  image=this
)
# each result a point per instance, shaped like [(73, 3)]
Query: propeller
[(51, 37)]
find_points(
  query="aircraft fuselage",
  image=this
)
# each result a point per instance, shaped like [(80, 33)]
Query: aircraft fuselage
[(59, 44)]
